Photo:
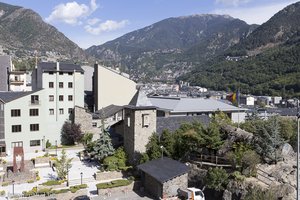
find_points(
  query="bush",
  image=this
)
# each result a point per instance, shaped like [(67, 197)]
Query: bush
[(30, 181), (4, 184), (112, 184), (60, 191), (52, 182), (46, 191), (238, 176), (249, 162), (48, 144), (2, 192), (216, 178), (28, 193), (75, 188)]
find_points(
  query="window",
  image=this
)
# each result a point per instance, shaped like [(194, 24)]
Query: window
[(128, 121), (94, 124), (51, 85), (34, 112), (61, 97), (70, 110), (16, 128), (70, 73), (35, 99), (61, 111), (34, 143), (61, 73), (16, 144), (51, 97), (61, 85), (34, 127), (70, 85), (16, 113), (50, 73), (70, 97), (51, 111), (145, 118)]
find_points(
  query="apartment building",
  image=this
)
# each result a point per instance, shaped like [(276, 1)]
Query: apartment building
[(31, 118)]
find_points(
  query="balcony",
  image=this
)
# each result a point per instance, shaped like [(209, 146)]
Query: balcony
[(34, 102), (16, 81)]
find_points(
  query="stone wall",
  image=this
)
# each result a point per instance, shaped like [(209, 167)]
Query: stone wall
[(136, 133), (85, 119), (102, 176), (170, 187), (152, 186)]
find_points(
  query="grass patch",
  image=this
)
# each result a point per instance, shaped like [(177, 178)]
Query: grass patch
[(112, 184)]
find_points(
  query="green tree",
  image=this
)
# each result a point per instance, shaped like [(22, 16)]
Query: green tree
[(102, 147), (71, 133), (153, 147), (212, 137), (249, 161), (268, 140), (144, 158), (62, 165), (216, 178), (87, 138), (167, 140)]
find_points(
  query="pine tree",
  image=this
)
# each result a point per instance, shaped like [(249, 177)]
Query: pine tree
[(62, 165), (102, 147)]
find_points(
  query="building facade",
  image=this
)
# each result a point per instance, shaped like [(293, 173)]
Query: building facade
[(111, 87), (33, 118)]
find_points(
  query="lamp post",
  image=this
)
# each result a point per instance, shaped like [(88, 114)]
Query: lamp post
[(13, 187), (81, 178), (67, 175), (56, 147), (162, 152)]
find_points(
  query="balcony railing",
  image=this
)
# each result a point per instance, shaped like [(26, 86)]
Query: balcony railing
[(34, 102)]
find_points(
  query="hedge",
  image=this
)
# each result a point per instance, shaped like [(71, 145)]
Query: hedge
[(112, 184), (75, 188), (53, 182)]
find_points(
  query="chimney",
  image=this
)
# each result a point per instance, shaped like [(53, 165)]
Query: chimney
[(57, 66)]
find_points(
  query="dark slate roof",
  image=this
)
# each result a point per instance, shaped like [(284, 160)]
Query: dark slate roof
[(140, 107), (63, 67), (283, 111), (164, 169), (10, 96), (173, 123), (4, 64), (108, 111)]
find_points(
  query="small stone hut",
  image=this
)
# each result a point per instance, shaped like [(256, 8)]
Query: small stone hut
[(162, 177)]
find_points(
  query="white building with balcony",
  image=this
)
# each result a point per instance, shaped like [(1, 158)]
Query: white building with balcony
[(31, 118)]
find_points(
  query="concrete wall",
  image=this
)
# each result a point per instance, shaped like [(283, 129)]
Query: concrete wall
[(111, 88)]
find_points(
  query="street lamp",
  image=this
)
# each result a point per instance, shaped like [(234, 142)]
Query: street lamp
[(56, 147), (67, 175), (13, 187), (81, 178), (162, 152)]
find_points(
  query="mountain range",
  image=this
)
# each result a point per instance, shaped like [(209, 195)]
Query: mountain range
[(23, 32), (214, 51)]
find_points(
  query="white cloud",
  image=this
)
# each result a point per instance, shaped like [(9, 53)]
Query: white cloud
[(71, 12), (257, 14), (108, 25), (93, 21), (232, 2)]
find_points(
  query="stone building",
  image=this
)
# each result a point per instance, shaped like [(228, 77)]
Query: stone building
[(163, 177), (139, 125)]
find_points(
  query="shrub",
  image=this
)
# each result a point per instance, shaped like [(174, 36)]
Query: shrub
[(48, 144), (249, 162), (2, 192), (60, 191), (4, 184), (46, 191), (36, 151), (238, 176), (38, 178), (75, 188), (28, 193), (30, 181), (216, 178), (52, 182), (112, 184)]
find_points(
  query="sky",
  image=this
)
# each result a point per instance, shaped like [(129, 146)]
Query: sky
[(94, 22)]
